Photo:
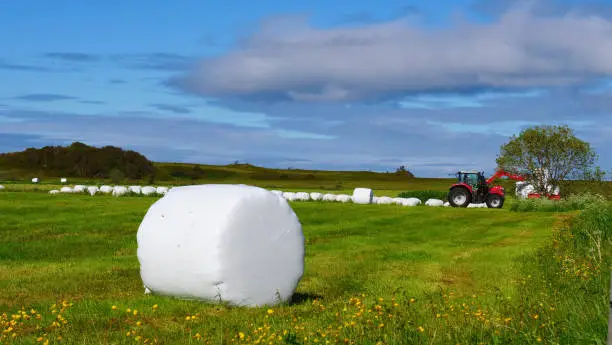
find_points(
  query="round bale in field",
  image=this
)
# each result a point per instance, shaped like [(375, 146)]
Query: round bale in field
[(66, 190), (239, 244), (35, 180), (316, 196), (148, 190), (363, 195), (1, 187), (434, 202), (106, 189)]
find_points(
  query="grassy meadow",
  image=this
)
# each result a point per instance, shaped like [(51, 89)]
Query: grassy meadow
[(374, 274)]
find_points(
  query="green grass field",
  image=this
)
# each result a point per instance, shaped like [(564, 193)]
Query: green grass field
[(443, 276)]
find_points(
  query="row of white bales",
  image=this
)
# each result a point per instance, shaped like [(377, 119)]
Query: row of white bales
[(360, 195)]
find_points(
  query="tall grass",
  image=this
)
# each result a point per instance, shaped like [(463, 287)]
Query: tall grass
[(572, 203)]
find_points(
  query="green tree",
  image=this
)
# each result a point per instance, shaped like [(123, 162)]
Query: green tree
[(116, 176), (547, 155)]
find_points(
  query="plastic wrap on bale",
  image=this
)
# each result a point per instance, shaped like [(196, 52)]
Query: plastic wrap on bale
[(434, 202), (54, 191), (302, 196), (289, 196), (238, 244), (66, 190), (92, 190), (316, 196), (148, 190), (120, 191), (344, 198), (384, 200), (106, 189), (1, 187), (161, 190), (363, 195), (329, 197), (79, 188), (134, 189)]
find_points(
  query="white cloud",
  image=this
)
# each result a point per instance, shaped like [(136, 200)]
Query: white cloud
[(288, 59)]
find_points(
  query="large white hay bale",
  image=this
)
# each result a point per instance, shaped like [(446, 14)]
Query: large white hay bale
[(302, 196), (363, 195), (63, 180), (384, 200), (148, 190), (344, 198), (316, 196), (289, 196), (239, 244), (119, 191), (106, 189), (54, 191), (92, 190), (434, 202), (35, 180), (161, 190), (329, 197), (79, 188), (66, 190), (134, 189)]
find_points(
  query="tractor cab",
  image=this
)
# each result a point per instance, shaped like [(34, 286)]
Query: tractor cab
[(475, 179)]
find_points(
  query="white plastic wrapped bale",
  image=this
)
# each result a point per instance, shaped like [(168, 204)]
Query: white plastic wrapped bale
[(344, 198), (63, 180), (119, 191), (363, 195), (416, 201), (289, 196), (302, 196), (35, 180), (92, 190), (410, 202), (397, 201), (316, 196), (148, 190), (1, 187), (161, 190), (79, 188), (481, 205), (384, 200), (66, 190), (434, 202), (329, 197), (238, 244), (134, 189), (54, 191), (375, 200), (447, 204), (277, 192), (106, 189)]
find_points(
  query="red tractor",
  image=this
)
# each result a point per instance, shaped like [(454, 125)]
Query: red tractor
[(471, 187)]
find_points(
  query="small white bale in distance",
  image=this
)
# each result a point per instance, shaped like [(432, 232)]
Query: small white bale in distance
[(397, 201), (35, 180), (434, 202), (302, 196), (120, 191), (63, 180), (415, 200), (482, 205), (161, 190), (316, 196), (410, 202), (329, 197), (66, 190), (148, 190), (447, 204), (239, 244), (54, 191), (1, 187), (363, 195), (106, 189), (134, 189), (79, 188), (289, 196), (344, 198), (384, 200), (92, 190)]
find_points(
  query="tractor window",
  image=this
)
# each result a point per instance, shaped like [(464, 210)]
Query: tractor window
[(472, 179)]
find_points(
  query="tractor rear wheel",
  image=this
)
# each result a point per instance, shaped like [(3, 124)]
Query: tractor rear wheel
[(459, 197), (495, 201)]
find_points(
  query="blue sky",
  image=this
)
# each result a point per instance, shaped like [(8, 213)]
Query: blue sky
[(435, 86)]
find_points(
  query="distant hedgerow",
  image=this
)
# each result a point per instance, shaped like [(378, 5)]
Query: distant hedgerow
[(423, 195)]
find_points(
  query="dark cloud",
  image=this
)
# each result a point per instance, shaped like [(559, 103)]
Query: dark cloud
[(172, 108), (73, 57), (45, 97), (289, 60), (21, 67)]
